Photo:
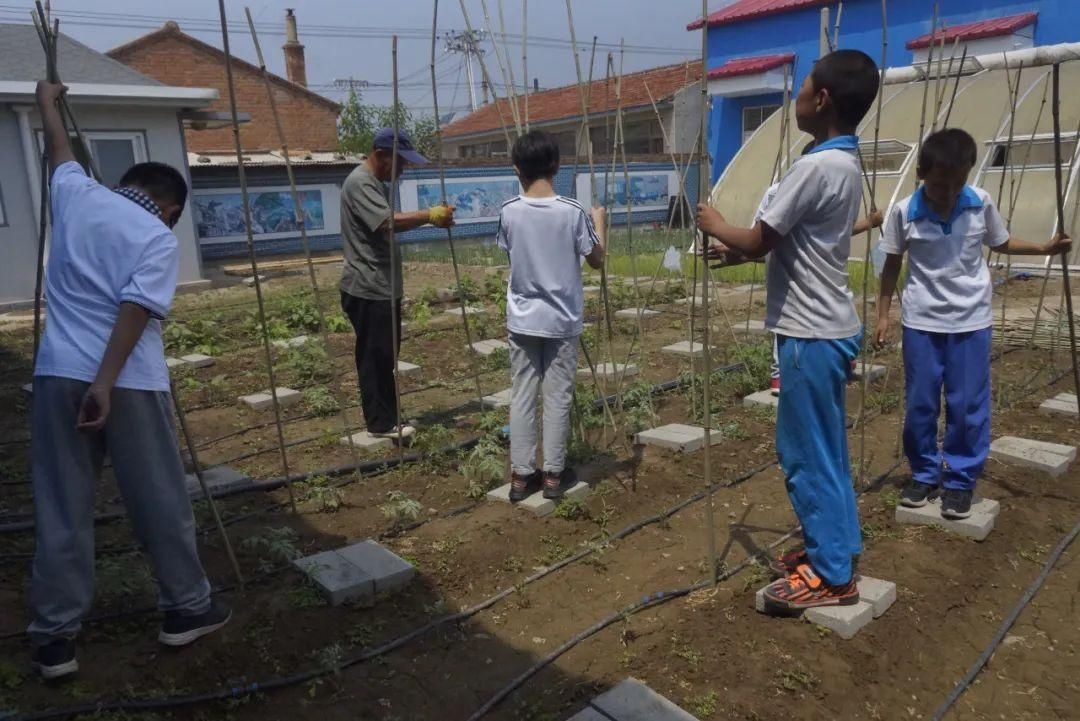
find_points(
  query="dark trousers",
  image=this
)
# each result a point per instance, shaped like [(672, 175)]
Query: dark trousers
[(373, 322)]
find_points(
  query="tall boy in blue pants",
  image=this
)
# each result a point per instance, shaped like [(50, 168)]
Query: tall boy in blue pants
[(947, 317), (807, 228)]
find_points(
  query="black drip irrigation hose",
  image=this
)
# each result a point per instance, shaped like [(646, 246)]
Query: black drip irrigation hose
[(1007, 624)]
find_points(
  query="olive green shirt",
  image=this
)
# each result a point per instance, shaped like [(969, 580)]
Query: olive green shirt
[(365, 236)]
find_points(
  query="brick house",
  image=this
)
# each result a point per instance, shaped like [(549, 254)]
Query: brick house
[(173, 57)]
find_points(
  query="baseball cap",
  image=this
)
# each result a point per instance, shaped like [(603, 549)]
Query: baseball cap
[(384, 140)]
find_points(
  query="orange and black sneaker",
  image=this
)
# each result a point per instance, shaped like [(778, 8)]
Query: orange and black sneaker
[(521, 487), (788, 563), (804, 589)]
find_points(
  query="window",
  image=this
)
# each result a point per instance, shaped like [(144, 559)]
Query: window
[(1034, 154), (754, 117), (114, 153), (483, 150), (891, 156), (643, 137)]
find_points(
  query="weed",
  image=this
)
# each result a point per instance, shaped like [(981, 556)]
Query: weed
[(512, 564), (420, 314), (330, 657), (122, 579), (756, 577), (797, 679), (276, 546), (733, 432), (704, 706), (552, 551), (469, 289), (498, 360), (885, 402), (193, 336), (687, 653), (306, 594), (360, 635), (571, 509), (873, 532), (485, 465), (1033, 555), (308, 362), (321, 491), (321, 401), (10, 676), (399, 508), (890, 499), (428, 295)]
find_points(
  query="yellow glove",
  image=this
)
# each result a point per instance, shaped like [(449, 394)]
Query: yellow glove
[(441, 216)]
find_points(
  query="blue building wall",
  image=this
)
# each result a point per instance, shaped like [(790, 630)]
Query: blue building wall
[(860, 28), (264, 177)]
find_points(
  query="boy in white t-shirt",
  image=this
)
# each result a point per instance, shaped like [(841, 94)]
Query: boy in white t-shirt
[(546, 236), (947, 317), (806, 231)]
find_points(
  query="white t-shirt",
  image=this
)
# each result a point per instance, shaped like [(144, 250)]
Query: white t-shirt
[(948, 288), (105, 250), (765, 200), (545, 239), (814, 209)]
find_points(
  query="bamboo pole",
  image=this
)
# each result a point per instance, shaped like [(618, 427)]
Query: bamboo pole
[(396, 282), (870, 238), (710, 520), (525, 57), (251, 252), (836, 29), (943, 80), (487, 77), (301, 223), (926, 88), (473, 361), (956, 87), (510, 92), (197, 468), (937, 76), (1066, 290)]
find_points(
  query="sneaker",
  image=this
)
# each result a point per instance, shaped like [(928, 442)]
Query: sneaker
[(774, 386), (180, 630), (804, 589), (556, 484), (788, 563), (956, 504), (521, 487), (56, 659), (916, 494), (406, 433)]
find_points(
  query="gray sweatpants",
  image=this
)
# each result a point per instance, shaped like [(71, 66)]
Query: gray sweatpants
[(140, 439), (552, 363)]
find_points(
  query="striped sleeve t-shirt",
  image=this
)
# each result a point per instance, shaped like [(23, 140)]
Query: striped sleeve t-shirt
[(546, 238)]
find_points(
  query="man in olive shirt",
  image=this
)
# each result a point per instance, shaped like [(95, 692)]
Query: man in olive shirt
[(366, 292)]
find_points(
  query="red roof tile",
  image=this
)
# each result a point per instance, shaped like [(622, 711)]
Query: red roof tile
[(977, 30), (750, 66), (562, 103), (750, 9)]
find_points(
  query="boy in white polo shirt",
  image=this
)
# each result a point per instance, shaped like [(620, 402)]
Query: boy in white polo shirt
[(947, 317), (101, 388), (806, 231), (546, 236)]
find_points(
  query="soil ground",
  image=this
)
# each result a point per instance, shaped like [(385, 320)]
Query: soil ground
[(708, 652)]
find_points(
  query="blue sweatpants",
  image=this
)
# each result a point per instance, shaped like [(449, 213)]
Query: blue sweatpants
[(811, 441), (960, 362)]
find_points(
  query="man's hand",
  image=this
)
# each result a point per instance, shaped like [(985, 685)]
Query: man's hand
[(881, 334), (94, 410), (709, 219), (48, 93), (876, 218), (441, 216), (599, 217), (1060, 243)]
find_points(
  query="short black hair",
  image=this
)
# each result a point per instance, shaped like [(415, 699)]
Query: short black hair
[(951, 148), (160, 181), (536, 155), (852, 79)]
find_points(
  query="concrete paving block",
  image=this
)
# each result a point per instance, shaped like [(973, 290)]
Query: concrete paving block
[(28, 388), (250, 280), (197, 360), (338, 579), (469, 310), (879, 594), (844, 621), (171, 363), (365, 441), (611, 371), (754, 327), (748, 287), (540, 506), (589, 714), (263, 400), (632, 700), (498, 400), (873, 372), (291, 342), (389, 570), (1052, 458), (1063, 404), (976, 526), (761, 398), (218, 479), (445, 295), (677, 437), (500, 494), (404, 370), (685, 348), (590, 289), (632, 313), (490, 346)]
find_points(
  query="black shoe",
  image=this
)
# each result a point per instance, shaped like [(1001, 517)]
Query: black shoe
[(956, 504), (915, 494), (179, 630), (556, 484), (521, 487), (56, 659)]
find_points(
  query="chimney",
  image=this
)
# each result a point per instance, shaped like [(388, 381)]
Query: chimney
[(536, 85), (295, 67)]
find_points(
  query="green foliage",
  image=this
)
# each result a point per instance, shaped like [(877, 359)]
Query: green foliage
[(484, 467), (498, 360), (276, 328), (704, 706), (122, 579), (492, 422), (337, 323), (419, 314), (321, 401), (320, 491), (638, 408), (300, 312), (434, 441), (571, 509), (358, 122), (733, 432), (399, 508), (275, 546), (428, 295), (193, 336), (308, 362), (733, 385), (469, 288)]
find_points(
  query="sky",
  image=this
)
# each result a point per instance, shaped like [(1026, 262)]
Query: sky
[(351, 39)]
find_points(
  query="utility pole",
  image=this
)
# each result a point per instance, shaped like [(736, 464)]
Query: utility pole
[(467, 43), (349, 84)]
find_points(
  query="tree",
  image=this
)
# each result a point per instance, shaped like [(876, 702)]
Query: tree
[(358, 123), (356, 126)]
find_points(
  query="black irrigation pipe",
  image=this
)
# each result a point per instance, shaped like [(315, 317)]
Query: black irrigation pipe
[(1007, 624)]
